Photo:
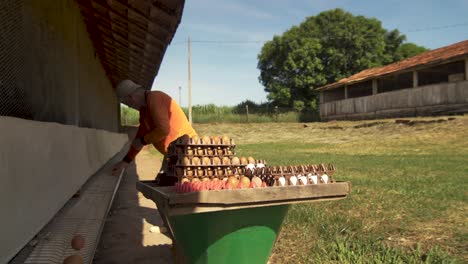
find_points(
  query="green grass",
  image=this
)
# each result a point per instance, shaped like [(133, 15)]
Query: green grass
[(409, 198), (128, 116)]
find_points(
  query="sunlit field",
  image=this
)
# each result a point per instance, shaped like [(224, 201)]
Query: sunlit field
[(409, 197)]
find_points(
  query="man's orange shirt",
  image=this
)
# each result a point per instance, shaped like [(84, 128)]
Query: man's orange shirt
[(161, 122)]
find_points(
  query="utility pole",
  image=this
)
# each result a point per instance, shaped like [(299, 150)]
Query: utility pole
[(189, 84), (180, 96)]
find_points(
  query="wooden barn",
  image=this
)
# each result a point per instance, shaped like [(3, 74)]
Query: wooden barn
[(432, 83)]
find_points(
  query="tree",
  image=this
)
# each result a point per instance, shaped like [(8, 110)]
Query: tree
[(323, 49), (407, 50), (393, 40)]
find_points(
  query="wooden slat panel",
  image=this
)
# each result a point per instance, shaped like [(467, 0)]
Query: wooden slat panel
[(242, 198)]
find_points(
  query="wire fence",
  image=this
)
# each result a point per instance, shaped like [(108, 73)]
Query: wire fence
[(233, 114), (13, 98)]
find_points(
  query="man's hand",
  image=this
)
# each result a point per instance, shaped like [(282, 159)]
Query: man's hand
[(122, 165)]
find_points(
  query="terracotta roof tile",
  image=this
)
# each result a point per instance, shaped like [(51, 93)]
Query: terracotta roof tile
[(428, 57)]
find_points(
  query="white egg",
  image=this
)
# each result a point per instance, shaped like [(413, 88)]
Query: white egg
[(260, 165), (303, 180), (325, 178), (293, 180), (313, 179), (282, 181), (250, 166)]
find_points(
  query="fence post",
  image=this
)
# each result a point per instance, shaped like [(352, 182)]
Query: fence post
[(247, 112), (276, 113)]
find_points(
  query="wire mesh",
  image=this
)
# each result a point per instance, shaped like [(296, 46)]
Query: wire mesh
[(13, 98)]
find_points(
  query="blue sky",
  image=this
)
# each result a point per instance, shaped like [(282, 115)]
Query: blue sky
[(226, 74)]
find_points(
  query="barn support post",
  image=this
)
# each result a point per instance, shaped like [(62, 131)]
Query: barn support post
[(466, 68), (374, 86), (415, 79)]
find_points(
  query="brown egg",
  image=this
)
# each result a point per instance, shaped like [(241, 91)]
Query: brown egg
[(196, 161), (78, 242), (205, 179), (235, 161), (210, 172), (245, 182), (229, 171), (220, 171), (195, 179), (185, 179), (209, 151), (206, 161), (220, 151), (228, 151), (243, 161), (257, 181), (200, 151), (200, 172), (251, 160), (73, 259), (215, 140), (225, 140), (189, 151), (189, 172), (226, 161), (186, 161), (233, 181), (195, 140), (216, 161), (206, 140)]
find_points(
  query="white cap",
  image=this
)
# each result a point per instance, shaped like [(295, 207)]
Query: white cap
[(125, 88)]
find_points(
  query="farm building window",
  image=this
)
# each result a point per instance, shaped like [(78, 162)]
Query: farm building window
[(449, 72), (360, 89), (333, 95), (395, 82)]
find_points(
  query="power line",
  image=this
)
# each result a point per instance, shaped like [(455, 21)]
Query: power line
[(438, 27), (341, 37)]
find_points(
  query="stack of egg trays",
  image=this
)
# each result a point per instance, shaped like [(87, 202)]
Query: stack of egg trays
[(294, 170), (201, 150)]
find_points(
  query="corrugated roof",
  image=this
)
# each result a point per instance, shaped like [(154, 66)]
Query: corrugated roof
[(131, 36), (429, 57)]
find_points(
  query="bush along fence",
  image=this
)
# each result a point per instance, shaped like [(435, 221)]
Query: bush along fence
[(242, 113)]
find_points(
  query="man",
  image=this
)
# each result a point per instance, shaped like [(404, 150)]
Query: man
[(162, 121)]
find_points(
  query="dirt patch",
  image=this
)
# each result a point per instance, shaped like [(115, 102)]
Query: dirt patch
[(419, 122)]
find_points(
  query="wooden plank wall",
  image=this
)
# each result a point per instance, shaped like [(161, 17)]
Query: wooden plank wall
[(423, 100)]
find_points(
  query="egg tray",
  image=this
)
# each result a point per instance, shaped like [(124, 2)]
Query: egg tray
[(225, 173), (180, 162), (202, 156), (270, 180), (289, 171), (240, 168), (301, 169), (205, 153), (207, 165), (204, 145)]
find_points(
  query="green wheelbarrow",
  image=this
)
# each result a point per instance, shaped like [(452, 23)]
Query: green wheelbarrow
[(231, 226)]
